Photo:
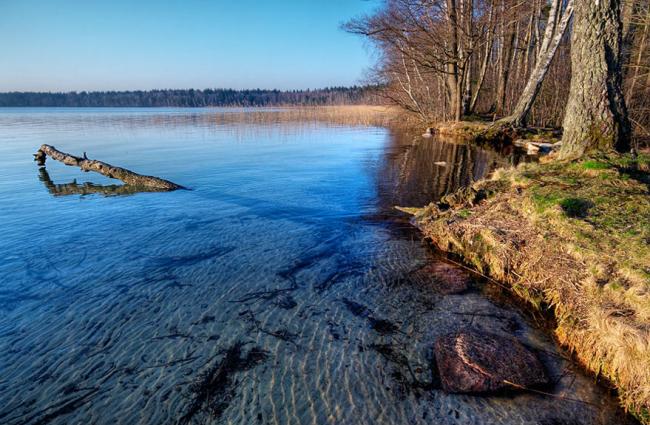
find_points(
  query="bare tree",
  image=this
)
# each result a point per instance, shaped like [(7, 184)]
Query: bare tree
[(436, 40), (446, 59)]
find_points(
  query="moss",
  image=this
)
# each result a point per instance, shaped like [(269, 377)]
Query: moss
[(600, 139), (576, 207)]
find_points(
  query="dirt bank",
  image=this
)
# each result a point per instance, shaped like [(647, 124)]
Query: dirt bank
[(573, 238)]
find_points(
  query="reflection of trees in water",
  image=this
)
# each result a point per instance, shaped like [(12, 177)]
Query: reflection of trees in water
[(88, 188), (409, 175)]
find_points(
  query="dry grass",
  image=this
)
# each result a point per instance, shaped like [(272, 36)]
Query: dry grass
[(246, 118), (574, 238), (493, 132), (353, 115), (462, 129)]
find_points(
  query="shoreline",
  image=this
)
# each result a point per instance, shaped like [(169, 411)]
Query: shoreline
[(541, 231)]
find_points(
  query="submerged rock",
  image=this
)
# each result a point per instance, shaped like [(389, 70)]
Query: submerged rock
[(472, 362), (446, 279)]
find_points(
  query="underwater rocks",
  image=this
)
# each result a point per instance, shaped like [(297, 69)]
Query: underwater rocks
[(472, 362), (444, 278)]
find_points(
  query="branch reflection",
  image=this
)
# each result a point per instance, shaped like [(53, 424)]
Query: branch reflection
[(89, 188)]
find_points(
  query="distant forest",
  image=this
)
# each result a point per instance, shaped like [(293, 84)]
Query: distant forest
[(195, 98)]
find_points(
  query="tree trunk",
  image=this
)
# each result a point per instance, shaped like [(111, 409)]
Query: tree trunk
[(486, 59), (505, 52), (453, 78), (596, 116), (552, 37), (637, 66), (505, 74), (468, 52)]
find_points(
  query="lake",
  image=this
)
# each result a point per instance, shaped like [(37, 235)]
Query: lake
[(281, 288)]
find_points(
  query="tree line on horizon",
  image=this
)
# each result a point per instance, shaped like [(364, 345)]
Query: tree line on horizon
[(512, 60), (354, 95)]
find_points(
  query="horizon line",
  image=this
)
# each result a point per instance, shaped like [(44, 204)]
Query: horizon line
[(355, 86)]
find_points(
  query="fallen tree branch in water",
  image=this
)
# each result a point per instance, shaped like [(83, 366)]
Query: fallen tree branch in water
[(88, 188), (127, 176)]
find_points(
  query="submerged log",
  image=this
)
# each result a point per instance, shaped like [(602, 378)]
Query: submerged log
[(128, 177)]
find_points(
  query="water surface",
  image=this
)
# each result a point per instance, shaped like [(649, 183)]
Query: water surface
[(283, 288)]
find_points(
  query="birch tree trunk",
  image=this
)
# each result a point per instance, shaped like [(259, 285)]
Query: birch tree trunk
[(596, 116), (468, 52), (555, 29)]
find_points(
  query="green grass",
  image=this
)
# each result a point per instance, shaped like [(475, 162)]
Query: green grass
[(544, 199), (464, 213), (594, 165)]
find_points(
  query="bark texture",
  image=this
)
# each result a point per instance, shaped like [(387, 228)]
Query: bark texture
[(128, 177), (596, 117)]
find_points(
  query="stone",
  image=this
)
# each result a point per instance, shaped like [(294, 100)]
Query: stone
[(446, 279), (473, 362)]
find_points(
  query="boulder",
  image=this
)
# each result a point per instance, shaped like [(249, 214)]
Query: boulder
[(445, 279), (472, 362)]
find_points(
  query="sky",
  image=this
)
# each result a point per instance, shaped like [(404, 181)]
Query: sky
[(75, 45)]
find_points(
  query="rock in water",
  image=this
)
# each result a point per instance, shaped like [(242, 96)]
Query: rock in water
[(472, 362), (444, 278)]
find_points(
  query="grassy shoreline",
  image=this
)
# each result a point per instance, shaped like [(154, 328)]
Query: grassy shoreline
[(572, 238), (481, 131)]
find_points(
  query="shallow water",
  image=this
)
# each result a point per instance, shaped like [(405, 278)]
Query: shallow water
[(282, 288)]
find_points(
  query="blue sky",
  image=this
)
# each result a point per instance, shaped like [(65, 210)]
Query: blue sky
[(57, 45)]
